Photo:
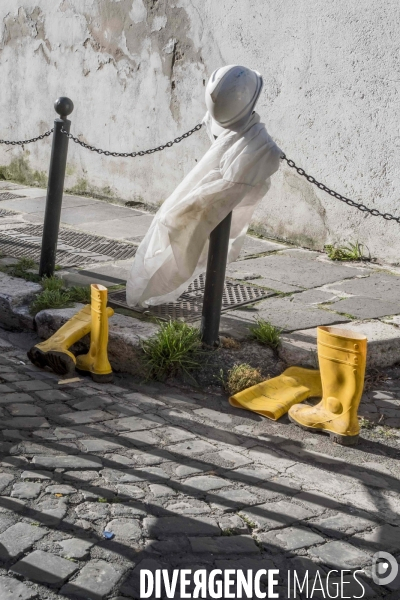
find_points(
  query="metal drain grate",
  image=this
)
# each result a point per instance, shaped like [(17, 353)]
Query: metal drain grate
[(75, 249), (86, 241), (9, 196), (189, 305)]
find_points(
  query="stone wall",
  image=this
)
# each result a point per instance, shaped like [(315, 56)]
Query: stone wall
[(136, 71)]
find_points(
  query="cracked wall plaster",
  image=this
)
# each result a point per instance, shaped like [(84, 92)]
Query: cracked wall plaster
[(136, 71)]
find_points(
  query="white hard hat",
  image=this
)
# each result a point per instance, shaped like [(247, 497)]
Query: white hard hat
[(231, 94)]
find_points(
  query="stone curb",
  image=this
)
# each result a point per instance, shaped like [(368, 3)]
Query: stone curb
[(300, 347), (127, 333)]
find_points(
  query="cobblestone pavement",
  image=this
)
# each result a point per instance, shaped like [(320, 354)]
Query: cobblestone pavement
[(182, 480)]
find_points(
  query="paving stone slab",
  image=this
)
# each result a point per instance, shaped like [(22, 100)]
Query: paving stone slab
[(11, 589), (136, 423), (231, 500), (366, 308), (191, 447), (236, 544), (19, 538), (45, 568), (49, 512), (24, 410), (85, 416), (52, 395), (161, 491), (92, 510), (341, 555), (274, 515), (68, 462), (5, 480), (95, 581), (341, 524), (65, 490), (205, 483), (176, 434), (93, 403), (76, 548), (270, 459), (176, 525), (384, 286), (125, 529), (26, 490), (386, 536), (101, 445), (16, 397), (32, 386), (291, 538), (26, 423), (189, 507), (296, 268)]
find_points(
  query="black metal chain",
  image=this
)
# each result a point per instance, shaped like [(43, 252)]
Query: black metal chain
[(132, 154), (23, 142), (372, 211)]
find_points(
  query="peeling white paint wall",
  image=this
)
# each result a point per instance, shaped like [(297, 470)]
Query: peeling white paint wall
[(136, 69)]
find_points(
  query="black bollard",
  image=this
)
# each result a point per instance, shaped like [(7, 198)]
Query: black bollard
[(55, 187), (215, 281)]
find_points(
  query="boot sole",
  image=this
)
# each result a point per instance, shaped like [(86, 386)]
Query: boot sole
[(59, 362), (98, 377), (337, 438)]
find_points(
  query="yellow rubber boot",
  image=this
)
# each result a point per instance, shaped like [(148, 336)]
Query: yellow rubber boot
[(96, 360), (274, 397), (54, 352), (342, 356)]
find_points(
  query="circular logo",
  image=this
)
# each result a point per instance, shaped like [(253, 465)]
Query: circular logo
[(384, 568)]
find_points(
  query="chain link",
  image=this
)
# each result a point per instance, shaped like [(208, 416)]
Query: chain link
[(23, 142), (372, 211), (131, 154)]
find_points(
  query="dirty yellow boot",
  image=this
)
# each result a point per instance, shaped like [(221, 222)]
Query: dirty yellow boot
[(342, 356), (54, 352), (96, 360), (274, 397)]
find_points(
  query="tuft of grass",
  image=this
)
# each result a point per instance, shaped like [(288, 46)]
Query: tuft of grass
[(229, 343), (248, 521), (79, 294), (174, 349), (366, 423), (52, 283), (266, 333), (241, 377), (22, 269), (50, 299), (228, 532), (55, 295), (352, 251)]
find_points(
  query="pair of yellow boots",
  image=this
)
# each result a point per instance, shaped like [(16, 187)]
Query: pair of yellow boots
[(342, 357), (92, 318)]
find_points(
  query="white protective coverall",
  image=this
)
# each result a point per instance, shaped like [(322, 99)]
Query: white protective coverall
[(232, 176)]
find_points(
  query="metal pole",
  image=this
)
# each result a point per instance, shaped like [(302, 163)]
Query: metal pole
[(215, 280), (55, 188)]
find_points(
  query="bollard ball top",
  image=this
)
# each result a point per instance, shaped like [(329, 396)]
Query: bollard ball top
[(63, 106)]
